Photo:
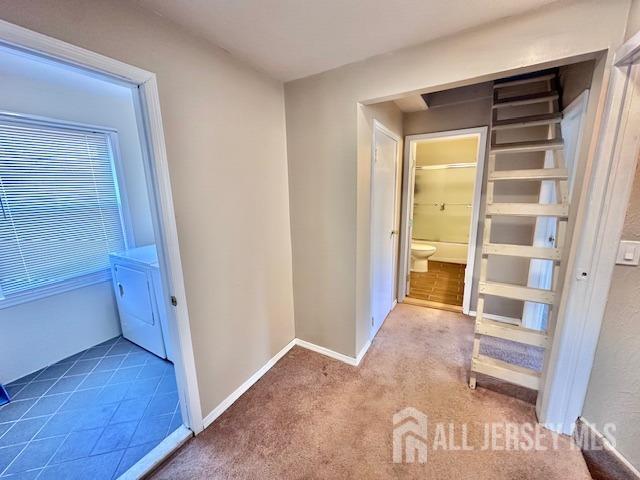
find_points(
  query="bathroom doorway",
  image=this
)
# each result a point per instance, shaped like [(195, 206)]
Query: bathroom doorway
[(442, 190)]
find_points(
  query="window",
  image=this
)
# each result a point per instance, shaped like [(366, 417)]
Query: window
[(60, 210)]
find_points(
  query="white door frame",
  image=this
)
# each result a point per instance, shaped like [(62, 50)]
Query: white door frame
[(407, 206), (601, 214), (165, 228), (378, 126)]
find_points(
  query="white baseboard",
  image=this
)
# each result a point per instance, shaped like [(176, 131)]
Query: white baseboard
[(158, 454), (363, 352), (227, 402), (609, 448), (325, 351)]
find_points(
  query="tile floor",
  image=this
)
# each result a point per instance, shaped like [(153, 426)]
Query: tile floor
[(89, 416), (443, 283)]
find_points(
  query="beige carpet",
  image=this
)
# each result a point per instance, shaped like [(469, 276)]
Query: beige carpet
[(314, 417)]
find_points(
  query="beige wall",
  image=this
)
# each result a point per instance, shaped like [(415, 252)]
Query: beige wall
[(231, 205), (633, 23), (614, 386), (476, 113), (446, 151), (329, 208)]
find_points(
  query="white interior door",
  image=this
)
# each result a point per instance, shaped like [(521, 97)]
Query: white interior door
[(384, 231), (535, 315)]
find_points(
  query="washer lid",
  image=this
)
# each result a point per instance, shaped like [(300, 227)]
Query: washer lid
[(147, 255)]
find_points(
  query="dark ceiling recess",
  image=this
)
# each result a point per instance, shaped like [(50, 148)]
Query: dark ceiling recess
[(527, 75), (431, 101)]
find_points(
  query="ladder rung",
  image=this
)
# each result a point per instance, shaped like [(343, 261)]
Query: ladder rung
[(493, 367), (530, 146), (560, 210), (529, 121), (514, 333), (532, 174), (525, 251), (517, 292), (526, 99), (523, 81)]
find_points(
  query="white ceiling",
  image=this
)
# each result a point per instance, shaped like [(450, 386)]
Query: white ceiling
[(291, 39)]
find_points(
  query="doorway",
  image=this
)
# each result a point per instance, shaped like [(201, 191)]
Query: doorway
[(443, 173), (385, 176), (86, 199)]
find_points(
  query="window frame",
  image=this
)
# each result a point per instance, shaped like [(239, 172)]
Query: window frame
[(117, 170)]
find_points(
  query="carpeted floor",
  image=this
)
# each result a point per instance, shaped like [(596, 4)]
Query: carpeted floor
[(314, 417)]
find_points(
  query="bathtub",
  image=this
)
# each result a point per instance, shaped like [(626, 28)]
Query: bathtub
[(447, 251)]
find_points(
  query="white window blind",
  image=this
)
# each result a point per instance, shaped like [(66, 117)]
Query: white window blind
[(60, 212)]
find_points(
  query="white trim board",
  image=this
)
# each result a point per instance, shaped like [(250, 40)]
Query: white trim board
[(609, 448), (364, 350), (354, 362), (157, 171), (158, 454), (237, 393)]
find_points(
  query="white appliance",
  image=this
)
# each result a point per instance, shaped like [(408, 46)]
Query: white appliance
[(138, 290)]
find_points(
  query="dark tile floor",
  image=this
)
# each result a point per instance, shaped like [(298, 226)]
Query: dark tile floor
[(89, 416)]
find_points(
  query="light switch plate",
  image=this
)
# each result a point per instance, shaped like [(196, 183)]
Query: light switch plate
[(628, 253)]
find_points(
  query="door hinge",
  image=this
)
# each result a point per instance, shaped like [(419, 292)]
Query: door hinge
[(174, 301)]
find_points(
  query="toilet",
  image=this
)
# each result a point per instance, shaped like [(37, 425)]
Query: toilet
[(420, 253)]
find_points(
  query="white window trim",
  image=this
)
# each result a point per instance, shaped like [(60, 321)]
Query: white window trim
[(92, 278), (39, 293)]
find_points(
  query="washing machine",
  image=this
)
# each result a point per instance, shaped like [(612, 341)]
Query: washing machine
[(139, 294)]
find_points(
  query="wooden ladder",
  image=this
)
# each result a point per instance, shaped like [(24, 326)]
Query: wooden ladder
[(484, 326)]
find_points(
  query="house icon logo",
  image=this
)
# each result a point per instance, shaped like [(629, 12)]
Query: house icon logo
[(410, 436)]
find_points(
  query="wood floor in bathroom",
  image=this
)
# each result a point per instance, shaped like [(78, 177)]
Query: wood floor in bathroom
[(443, 283)]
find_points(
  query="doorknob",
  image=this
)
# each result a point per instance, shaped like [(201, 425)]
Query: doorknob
[(393, 232)]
